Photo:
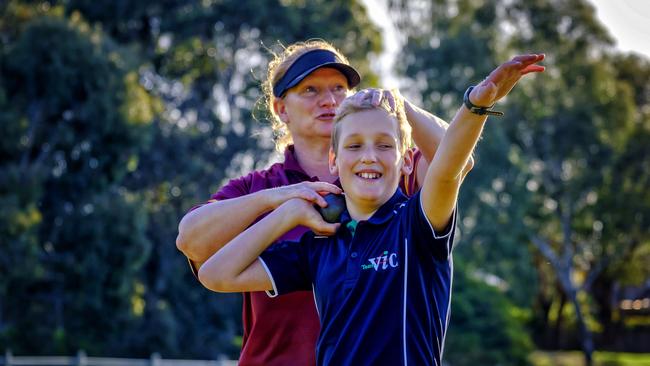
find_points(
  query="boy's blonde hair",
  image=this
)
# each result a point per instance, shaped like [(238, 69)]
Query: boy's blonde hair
[(349, 106), (277, 68)]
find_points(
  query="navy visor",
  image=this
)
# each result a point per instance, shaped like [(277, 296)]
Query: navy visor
[(307, 63)]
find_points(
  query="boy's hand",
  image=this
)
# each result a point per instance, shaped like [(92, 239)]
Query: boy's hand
[(500, 81), (310, 191), (302, 212)]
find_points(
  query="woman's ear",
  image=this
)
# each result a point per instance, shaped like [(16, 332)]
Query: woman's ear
[(407, 162), (334, 170), (280, 109)]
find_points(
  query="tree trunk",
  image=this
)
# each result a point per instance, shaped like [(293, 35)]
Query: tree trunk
[(557, 329), (585, 335)]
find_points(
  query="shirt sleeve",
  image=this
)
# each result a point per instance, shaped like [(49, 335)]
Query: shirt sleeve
[(234, 188), (438, 243), (287, 266)]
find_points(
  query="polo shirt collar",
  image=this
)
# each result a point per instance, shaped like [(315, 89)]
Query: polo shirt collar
[(384, 213), (290, 160)]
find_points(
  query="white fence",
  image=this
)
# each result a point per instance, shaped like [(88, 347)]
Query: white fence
[(82, 360)]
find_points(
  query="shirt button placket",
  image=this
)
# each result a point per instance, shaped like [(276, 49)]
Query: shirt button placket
[(353, 263)]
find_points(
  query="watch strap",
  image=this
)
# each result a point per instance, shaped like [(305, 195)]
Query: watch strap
[(481, 111)]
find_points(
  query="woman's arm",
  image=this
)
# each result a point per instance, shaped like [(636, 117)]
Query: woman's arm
[(203, 231)]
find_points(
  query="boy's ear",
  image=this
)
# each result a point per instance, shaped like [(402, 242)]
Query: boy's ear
[(407, 162), (280, 109), (334, 170)]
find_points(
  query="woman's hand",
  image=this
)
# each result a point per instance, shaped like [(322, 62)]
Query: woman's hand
[(309, 191), (374, 97)]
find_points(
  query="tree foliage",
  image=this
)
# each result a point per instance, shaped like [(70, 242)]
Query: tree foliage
[(75, 239), (478, 310), (543, 209), (116, 117)]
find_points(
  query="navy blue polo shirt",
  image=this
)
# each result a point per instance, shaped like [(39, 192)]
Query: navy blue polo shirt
[(382, 294)]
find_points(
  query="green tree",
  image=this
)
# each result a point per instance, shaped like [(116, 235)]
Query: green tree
[(624, 202), (74, 236), (184, 78), (449, 46), (545, 173), (578, 122), (480, 309)]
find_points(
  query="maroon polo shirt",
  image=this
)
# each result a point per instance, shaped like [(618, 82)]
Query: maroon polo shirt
[(282, 330)]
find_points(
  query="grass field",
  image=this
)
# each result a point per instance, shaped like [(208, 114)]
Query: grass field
[(575, 358)]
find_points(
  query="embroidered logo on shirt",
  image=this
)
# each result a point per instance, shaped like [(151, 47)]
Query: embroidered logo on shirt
[(382, 262)]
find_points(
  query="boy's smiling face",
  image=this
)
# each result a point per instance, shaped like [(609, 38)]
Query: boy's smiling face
[(368, 160)]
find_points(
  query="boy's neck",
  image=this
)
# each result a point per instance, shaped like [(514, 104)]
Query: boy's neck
[(360, 212)]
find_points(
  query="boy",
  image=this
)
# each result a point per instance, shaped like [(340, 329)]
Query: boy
[(382, 282)]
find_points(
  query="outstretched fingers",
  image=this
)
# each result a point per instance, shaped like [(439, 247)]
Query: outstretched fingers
[(529, 63), (506, 76), (529, 58), (532, 68)]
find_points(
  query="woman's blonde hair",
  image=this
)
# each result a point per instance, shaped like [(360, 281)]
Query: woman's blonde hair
[(350, 106), (276, 70)]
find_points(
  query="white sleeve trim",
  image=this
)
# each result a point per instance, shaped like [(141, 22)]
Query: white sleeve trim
[(274, 292), (451, 225)]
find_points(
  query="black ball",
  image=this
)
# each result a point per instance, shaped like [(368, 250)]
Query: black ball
[(335, 206)]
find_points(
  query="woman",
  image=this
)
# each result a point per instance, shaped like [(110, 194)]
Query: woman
[(304, 86)]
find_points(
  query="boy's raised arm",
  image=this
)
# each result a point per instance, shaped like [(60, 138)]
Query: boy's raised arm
[(444, 175), (235, 268), (428, 129)]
